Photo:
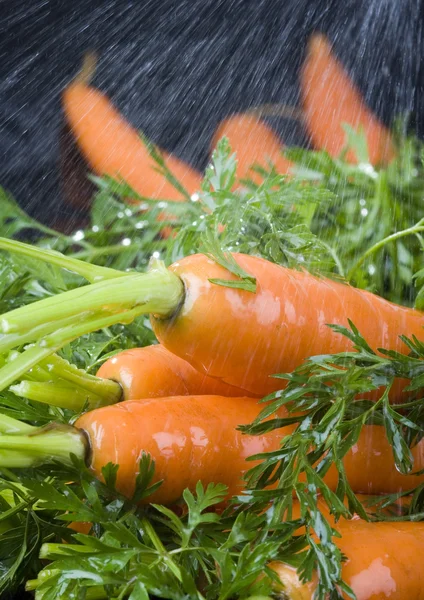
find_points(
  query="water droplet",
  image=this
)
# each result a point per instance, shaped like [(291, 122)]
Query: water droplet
[(120, 215), (78, 235), (362, 201), (371, 269), (194, 223), (126, 242), (128, 212), (364, 212), (368, 170), (95, 228), (194, 197), (156, 254), (140, 224), (162, 204)]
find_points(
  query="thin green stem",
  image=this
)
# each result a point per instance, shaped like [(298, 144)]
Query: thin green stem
[(159, 291), (13, 340), (44, 444), (55, 394), (90, 272), (107, 389), (387, 240), (52, 550), (50, 344), (8, 425), (149, 530), (113, 249)]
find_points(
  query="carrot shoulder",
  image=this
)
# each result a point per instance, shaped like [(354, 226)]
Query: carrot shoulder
[(112, 147), (254, 144), (330, 99)]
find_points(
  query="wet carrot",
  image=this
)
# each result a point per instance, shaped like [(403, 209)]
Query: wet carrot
[(370, 466), (383, 561), (112, 147), (254, 144), (153, 371), (330, 99), (191, 438), (243, 338)]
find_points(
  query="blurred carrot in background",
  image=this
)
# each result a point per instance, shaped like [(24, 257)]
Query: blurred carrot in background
[(112, 147), (330, 99), (253, 143)]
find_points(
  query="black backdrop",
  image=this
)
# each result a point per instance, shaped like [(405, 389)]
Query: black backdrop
[(175, 68)]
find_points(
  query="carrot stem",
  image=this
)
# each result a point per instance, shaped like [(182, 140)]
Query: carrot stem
[(62, 369), (92, 273), (42, 445), (53, 342), (158, 291), (8, 425), (56, 394), (417, 228)]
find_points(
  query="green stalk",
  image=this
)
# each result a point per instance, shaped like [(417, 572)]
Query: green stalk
[(42, 445), (55, 394), (62, 369), (418, 227), (11, 426), (159, 291), (90, 272), (13, 340), (48, 345)]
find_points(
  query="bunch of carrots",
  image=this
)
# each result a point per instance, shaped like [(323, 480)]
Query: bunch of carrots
[(329, 99), (182, 401)]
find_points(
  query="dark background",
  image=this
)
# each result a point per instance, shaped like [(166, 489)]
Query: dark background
[(176, 68)]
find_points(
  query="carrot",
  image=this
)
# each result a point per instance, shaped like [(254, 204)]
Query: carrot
[(254, 144), (152, 372), (191, 438), (370, 466), (112, 147), (330, 99), (382, 562), (243, 338), (239, 337)]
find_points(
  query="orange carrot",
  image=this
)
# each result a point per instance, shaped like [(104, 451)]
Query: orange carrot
[(112, 147), (152, 372), (195, 438), (370, 466), (382, 562), (330, 99), (243, 338), (254, 144), (191, 438)]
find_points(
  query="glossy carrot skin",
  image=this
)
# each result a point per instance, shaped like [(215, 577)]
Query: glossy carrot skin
[(330, 99), (243, 338), (191, 438), (370, 466), (254, 143), (153, 372), (384, 561), (194, 438), (112, 147)]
